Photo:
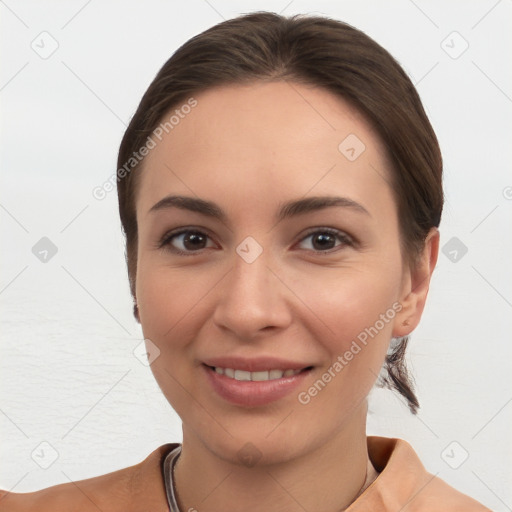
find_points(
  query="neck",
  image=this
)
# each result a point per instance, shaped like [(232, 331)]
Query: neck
[(327, 477)]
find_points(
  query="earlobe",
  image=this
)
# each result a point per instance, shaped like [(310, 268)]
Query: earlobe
[(416, 287)]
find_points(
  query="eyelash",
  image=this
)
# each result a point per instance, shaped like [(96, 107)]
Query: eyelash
[(165, 242)]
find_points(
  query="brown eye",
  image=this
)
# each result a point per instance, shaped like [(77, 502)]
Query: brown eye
[(194, 240), (185, 242), (325, 240)]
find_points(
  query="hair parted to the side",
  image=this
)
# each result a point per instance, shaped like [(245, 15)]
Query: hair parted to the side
[(321, 52)]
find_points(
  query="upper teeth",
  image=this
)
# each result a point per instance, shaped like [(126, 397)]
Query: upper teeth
[(258, 376)]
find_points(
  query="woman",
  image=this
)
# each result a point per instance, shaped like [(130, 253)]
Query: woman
[(280, 189)]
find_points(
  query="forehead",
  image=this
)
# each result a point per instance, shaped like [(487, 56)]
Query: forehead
[(266, 139)]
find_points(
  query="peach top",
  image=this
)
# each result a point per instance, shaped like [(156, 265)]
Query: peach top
[(402, 485)]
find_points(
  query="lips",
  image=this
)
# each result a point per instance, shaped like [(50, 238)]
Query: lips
[(254, 382)]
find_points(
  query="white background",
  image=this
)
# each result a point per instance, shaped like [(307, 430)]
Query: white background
[(68, 373)]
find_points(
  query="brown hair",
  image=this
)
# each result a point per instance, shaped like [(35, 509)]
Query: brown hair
[(321, 52)]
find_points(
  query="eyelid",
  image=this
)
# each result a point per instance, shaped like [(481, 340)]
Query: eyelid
[(164, 241), (343, 236)]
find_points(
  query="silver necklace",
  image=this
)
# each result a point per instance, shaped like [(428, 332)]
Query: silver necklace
[(170, 486), (169, 464)]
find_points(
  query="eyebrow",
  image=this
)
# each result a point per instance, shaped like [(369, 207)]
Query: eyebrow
[(287, 209)]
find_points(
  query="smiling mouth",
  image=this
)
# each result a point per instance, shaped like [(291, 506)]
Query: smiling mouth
[(260, 376)]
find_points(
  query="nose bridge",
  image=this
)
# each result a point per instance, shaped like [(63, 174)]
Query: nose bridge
[(251, 298), (251, 271)]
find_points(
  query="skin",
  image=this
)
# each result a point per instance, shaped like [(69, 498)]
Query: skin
[(248, 149)]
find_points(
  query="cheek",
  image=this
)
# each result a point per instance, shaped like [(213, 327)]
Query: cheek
[(346, 301), (169, 297), (170, 302), (360, 317), (354, 316)]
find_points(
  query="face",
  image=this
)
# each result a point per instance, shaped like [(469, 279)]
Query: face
[(255, 285)]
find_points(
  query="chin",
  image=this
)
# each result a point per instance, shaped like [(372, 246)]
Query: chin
[(251, 452), (255, 444)]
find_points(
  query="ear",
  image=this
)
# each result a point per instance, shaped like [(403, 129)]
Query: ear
[(415, 286)]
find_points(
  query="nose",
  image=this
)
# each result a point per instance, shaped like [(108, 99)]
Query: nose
[(252, 299)]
